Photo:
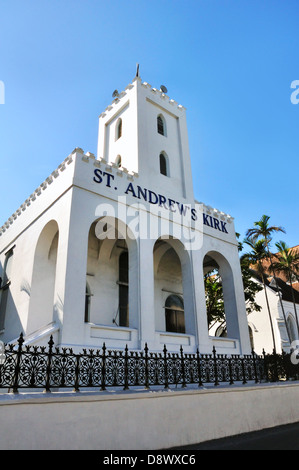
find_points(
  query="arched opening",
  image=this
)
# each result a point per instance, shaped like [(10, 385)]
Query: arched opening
[(43, 278), (164, 167), (161, 125), (118, 129), (221, 303), (111, 270), (174, 314), (174, 307)]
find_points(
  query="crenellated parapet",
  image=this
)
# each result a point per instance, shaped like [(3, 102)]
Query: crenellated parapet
[(40, 190), (87, 157), (163, 96), (211, 211), (109, 166), (155, 92)]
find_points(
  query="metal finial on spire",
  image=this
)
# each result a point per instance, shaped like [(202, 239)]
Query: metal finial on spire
[(137, 71)]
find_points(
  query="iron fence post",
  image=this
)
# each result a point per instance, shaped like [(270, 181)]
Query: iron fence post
[(200, 384), (166, 384), (243, 371), (216, 382), (231, 379), (183, 368), (17, 368), (254, 366), (266, 369), (48, 372), (275, 366), (126, 383), (103, 371), (77, 372), (146, 383)]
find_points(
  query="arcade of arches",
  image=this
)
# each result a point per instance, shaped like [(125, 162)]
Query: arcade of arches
[(112, 280)]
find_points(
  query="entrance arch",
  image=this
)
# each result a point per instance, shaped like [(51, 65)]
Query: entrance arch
[(219, 270), (173, 287), (112, 274)]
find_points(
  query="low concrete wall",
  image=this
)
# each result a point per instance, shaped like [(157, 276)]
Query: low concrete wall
[(147, 420)]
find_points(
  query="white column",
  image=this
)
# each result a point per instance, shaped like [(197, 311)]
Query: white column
[(146, 293), (204, 343), (70, 284), (244, 339)]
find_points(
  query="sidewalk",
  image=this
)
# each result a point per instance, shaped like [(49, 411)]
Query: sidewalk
[(278, 438)]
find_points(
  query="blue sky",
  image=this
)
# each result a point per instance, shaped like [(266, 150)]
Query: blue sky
[(230, 63)]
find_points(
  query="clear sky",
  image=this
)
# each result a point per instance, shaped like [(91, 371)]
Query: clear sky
[(229, 62)]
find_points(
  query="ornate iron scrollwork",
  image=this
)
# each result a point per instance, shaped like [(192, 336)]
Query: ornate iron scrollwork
[(33, 367)]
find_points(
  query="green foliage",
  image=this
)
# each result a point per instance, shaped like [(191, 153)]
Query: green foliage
[(263, 230), (286, 262), (214, 297), (251, 287)]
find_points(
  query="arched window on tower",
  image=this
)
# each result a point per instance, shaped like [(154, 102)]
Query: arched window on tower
[(118, 132), (161, 126), (164, 170), (174, 314)]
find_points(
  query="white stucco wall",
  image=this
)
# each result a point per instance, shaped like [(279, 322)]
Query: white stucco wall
[(260, 325), (142, 420)]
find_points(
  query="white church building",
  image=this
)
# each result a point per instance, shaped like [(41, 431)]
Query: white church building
[(112, 248)]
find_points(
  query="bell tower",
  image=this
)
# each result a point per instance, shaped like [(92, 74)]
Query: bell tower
[(145, 132)]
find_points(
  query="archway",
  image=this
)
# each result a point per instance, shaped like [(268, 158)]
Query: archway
[(43, 278), (173, 287), (220, 295), (112, 274)]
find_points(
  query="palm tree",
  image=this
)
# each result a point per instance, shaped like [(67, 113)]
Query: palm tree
[(288, 264), (256, 257), (262, 229)]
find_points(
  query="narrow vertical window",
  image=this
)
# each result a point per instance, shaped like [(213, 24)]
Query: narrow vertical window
[(87, 304), (123, 289), (161, 125), (163, 164), (4, 286), (118, 133)]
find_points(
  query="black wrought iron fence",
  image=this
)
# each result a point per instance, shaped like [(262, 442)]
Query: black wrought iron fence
[(48, 368)]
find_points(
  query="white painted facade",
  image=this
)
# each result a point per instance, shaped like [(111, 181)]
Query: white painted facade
[(61, 260), (283, 316), (116, 421)]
